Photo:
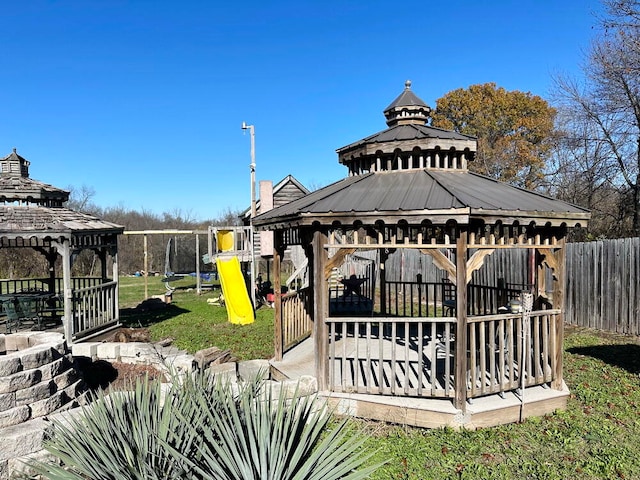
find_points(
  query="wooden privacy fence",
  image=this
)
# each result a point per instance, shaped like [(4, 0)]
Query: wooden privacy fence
[(602, 280), (603, 289)]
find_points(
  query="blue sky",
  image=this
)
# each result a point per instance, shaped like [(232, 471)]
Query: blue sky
[(143, 100)]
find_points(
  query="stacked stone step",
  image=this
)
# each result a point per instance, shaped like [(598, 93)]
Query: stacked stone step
[(37, 379)]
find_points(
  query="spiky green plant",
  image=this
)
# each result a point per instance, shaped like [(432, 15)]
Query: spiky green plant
[(119, 436), (258, 433), (204, 428)]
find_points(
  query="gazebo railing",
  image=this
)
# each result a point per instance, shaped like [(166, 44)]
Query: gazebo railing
[(437, 299), (94, 308), (416, 357), (392, 356), (296, 314), (496, 352), (30, 284)]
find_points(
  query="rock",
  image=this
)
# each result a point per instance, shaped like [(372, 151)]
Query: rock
[(212, 355)]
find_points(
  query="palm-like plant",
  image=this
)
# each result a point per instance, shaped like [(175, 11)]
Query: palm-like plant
[(205, 428)]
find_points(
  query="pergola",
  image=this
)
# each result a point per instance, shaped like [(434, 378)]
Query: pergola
[(32, 216), (444, 338)]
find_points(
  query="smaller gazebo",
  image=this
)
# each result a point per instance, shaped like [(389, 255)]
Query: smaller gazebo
[(32, 216), (453, 349)]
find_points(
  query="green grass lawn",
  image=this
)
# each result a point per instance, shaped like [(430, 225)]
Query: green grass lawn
[(596, 437), (192, 322)]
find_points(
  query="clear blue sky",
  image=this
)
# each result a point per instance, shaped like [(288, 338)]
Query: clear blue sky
[(143, 100)]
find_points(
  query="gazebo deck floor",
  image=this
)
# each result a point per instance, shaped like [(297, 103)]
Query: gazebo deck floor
[(426, 412)]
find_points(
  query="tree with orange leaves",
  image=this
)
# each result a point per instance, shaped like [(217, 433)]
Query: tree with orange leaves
[(515, 130)]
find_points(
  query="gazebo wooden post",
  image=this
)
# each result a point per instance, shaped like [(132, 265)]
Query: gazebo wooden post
[(64, 249), (278, 253), (320, 303), (51, 259), (102, 255), (461, 352), (116, 273), (558, 302), (383, 281)]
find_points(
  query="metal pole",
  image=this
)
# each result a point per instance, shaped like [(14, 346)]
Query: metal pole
[(252, 167)]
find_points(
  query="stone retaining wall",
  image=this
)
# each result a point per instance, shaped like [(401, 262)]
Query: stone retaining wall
[(36, 379), (38, 365)]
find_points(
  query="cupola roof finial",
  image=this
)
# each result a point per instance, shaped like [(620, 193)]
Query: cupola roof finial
[(407, 108)]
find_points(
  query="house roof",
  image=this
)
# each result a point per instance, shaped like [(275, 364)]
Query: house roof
[(277, 187), (435, 195)]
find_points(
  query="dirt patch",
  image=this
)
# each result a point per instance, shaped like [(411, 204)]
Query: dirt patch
[(113, 376)]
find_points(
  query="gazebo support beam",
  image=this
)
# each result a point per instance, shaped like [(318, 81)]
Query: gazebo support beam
[(320, 307), (278, 253), (461, 326), (558, 302)]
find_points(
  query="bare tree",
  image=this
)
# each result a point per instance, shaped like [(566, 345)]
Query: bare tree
[(605, 106), (80, 199)]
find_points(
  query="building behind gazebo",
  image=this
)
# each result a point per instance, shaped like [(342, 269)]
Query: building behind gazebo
[(32, 215), (431, 351)]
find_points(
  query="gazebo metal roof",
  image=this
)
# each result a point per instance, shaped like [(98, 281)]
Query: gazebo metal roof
[(459, 195), (415, 172)]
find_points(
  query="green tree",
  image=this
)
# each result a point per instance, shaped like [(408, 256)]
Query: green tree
[(515, 130)]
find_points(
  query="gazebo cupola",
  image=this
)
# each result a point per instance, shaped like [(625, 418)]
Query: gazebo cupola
[(17, 188), (13, 165), (407, 109), (409, 143)]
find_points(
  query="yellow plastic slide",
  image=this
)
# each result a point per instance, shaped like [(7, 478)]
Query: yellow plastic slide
[(236, 298)]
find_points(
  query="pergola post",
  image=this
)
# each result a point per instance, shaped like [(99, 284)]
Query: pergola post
[(320, 303), (462, 359)]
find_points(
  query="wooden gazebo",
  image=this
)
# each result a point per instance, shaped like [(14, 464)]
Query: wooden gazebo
[(431, 351), (32, 215)]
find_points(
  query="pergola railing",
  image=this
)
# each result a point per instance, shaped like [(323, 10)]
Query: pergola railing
[(411, 349), (404, 356)]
